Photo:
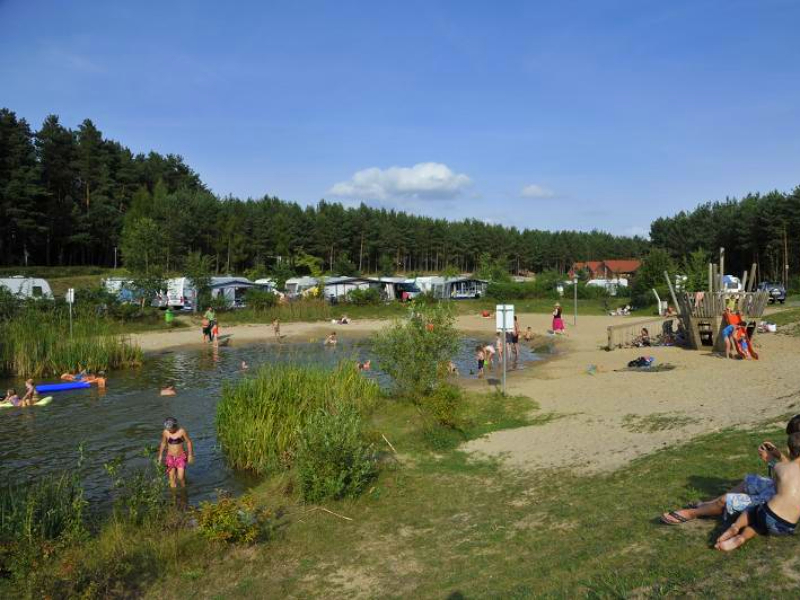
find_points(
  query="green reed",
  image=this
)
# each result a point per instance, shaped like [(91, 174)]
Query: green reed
[(259, 419), (36, 343), (49, 508)]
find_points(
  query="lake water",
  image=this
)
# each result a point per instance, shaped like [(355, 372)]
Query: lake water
[(127, 416)]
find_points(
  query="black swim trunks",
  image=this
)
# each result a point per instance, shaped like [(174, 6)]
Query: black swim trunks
[(766, 522), (481, 362)]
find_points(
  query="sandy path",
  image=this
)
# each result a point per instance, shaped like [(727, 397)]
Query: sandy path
[(708, 392)]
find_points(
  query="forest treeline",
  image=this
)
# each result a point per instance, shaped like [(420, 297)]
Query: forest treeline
[(72, 197)]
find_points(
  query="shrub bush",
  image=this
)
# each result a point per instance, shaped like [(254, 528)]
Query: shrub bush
[(367, 297), (259, 419), (138, 493), (231, 520), (443, 404), (333, 458), (260, 300), (415, 352)]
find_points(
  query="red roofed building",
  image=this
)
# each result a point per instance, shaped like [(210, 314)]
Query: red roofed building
[(608, 269)]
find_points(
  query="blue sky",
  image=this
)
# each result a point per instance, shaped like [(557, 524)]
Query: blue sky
[(535, 114)]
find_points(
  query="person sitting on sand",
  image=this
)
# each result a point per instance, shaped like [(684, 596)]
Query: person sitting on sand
[(169, 391), (643, 339), (344, 320), (331, 339), (780, 515), (480, 356), (751, 491), (528, 335), (173, 439), (742, 342)]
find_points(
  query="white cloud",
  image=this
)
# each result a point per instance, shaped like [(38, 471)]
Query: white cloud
[(422, 181), (536, 191)]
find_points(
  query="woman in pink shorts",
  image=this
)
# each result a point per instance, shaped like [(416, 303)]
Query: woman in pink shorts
[(173, 439)]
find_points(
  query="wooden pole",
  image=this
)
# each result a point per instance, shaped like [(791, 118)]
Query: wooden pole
[(744, 281), (721, 269), (672, 293), (753, 273), (710, 278)]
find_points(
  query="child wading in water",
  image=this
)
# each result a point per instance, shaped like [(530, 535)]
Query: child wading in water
[(780, 515), (480, 356), (172, 439)]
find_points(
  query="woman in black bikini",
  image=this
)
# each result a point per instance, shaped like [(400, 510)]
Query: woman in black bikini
[(173, 439)]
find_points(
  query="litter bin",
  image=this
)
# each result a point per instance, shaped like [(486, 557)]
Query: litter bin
[(169, 316)]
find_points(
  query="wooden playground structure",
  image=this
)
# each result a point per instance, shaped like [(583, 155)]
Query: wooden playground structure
[(700, 313)]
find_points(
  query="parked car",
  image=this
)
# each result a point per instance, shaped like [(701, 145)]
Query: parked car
[(776, 291)]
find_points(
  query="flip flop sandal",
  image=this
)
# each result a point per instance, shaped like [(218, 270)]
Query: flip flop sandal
[(679, 518)]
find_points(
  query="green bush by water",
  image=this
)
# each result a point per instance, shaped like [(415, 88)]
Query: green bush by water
[(37, 343), (260, 419), (334, 460)]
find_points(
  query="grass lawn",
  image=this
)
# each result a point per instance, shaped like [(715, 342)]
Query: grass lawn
[(439, 525)]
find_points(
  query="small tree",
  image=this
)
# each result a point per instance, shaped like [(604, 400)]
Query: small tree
[(197, 267), (696, 267), (650, 276), (492, 269), (415, 352)]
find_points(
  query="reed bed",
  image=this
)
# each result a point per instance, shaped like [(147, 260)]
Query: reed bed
[(38, 343), (260, 419), (48, 509)]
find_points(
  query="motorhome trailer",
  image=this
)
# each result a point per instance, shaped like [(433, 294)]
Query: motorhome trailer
[(27, 287)]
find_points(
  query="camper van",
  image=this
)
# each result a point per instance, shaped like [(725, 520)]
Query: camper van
[(27, 287), (121, 288), (181, 293)]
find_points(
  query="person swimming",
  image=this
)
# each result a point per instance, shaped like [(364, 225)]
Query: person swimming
[(173, 439), (331, 339), (365, 366), (169, 391)]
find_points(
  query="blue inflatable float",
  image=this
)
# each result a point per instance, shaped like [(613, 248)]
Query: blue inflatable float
[(60, 387)]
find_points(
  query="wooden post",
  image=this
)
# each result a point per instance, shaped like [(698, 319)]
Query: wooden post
[(710, 278), (722, 269), (672, 293), (744, 281)]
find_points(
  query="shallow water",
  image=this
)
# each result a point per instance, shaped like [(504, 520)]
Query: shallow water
[(126, 418)]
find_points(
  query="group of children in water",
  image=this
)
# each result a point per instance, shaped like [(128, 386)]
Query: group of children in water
[(485, 353), (30, 397)]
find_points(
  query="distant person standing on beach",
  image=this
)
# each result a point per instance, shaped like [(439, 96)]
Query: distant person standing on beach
[(515, 337), (276, 328), (558, 322)]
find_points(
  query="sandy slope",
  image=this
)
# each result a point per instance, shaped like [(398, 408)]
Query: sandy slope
[(599, 413)]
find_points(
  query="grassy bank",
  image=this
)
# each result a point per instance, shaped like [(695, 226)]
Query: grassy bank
[(36, 343), (439, 525)]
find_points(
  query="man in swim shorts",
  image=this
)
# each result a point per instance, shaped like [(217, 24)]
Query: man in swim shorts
[(780, 515)]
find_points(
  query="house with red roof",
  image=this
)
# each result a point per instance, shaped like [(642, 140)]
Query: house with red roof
[(608, 269)]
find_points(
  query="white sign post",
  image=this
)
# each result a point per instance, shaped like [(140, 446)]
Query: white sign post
[(504, 314), (70, 301)]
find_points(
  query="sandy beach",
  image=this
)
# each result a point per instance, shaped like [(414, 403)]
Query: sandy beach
[(602, 419)]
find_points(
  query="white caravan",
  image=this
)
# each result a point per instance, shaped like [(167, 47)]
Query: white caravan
[(27, 287)]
